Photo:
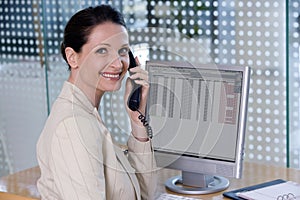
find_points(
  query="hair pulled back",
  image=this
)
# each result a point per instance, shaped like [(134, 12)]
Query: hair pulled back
[(81, 24)]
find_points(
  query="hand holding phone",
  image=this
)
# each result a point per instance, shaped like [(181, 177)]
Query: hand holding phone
[(135, 96)]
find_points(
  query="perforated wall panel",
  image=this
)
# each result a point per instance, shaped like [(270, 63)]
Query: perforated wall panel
[(248, 32)]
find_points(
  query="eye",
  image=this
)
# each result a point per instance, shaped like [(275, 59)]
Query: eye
[(123, 51), (102, 51)]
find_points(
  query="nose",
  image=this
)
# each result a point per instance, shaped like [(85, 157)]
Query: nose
[(117, 62)]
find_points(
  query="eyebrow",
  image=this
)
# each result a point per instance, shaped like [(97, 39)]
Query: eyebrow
[(107, 44), (125, 45)]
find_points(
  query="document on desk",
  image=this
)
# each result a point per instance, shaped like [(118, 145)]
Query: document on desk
[(282, 191)]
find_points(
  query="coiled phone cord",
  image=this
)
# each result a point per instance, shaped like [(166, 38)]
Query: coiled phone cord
[(146, 124)]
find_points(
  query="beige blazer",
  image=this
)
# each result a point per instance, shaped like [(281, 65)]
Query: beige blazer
[(79, 160)]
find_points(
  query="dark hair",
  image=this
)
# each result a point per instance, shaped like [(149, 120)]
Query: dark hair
[(81, 24)]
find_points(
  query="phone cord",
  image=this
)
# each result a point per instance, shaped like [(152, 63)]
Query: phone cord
[(146, 124)]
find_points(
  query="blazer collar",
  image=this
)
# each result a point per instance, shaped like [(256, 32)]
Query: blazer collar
[(72, 93)]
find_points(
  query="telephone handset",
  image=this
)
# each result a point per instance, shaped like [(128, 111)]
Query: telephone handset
[(135, 96)]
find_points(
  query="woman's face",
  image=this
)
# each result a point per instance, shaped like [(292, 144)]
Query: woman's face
[(103, 60)]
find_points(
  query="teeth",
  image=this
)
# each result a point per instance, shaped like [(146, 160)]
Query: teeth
[(110, 75)]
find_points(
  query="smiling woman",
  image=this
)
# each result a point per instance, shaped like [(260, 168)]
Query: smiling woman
[(76, 154)]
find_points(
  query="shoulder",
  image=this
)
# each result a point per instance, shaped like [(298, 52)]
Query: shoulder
[(72, 134)]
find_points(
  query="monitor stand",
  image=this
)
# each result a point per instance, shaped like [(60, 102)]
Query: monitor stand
[(196, 183)]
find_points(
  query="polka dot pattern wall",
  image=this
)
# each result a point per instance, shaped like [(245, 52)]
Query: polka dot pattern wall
[(257, 33)]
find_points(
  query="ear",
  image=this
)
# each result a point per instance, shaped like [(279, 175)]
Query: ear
[(71, 56)]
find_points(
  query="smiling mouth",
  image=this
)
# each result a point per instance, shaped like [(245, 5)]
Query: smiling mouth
[(111, 75)]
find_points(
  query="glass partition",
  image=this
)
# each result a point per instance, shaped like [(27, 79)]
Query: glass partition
[(293, 69), (23, 107), (262, 34)]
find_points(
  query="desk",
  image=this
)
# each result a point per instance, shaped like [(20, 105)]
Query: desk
[(253, 174), (24, 183)]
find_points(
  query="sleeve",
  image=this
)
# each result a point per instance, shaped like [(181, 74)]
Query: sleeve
[(141, 157), (77, 163)]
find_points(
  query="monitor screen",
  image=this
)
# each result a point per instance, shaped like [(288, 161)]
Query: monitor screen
[(198, 116)]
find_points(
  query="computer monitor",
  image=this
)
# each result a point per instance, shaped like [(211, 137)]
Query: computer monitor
[(198, 116)]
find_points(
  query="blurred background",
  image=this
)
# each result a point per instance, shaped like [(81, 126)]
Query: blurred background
[(263, 34)]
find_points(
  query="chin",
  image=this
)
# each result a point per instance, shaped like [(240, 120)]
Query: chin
[(111, 89)]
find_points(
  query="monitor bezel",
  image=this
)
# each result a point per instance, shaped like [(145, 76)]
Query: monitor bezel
[(208, 165)]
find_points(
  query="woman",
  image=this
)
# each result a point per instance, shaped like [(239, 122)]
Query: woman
[(76, 154)]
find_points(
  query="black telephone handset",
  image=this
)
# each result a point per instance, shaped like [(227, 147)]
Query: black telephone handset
[(135, 96)]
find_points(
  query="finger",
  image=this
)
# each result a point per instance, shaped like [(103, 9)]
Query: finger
[(139, 76), (137, 61), (144, 94), (137, 69), (142, 82), (128, 89), (128, 85)]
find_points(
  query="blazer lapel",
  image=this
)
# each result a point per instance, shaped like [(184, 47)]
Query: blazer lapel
[(122, 159)]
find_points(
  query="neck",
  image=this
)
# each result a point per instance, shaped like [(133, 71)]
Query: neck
[(97, 98)]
